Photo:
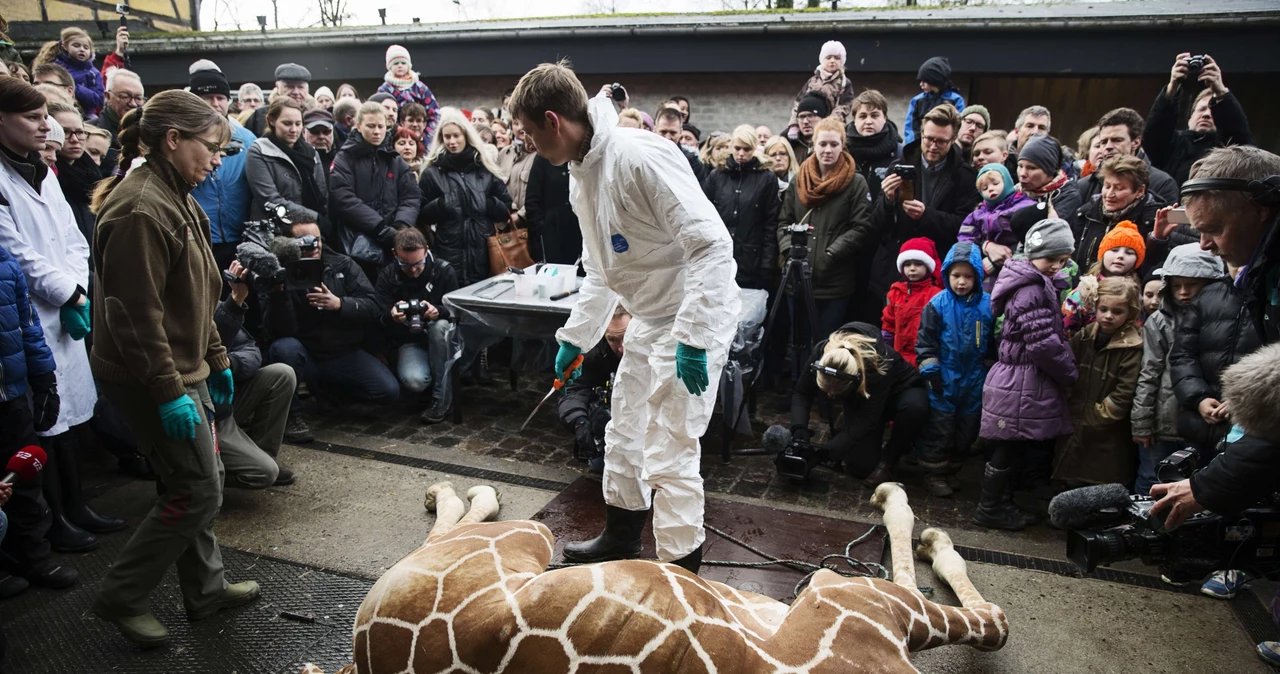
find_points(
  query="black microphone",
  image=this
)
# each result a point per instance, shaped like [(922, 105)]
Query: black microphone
[(776, 438), (1074, 509), (258, 260), (286, 250)]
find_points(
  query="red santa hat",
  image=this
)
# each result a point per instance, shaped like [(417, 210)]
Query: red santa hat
[(921, 249)]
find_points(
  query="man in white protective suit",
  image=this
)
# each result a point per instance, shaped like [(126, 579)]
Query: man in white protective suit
[(653, 241)]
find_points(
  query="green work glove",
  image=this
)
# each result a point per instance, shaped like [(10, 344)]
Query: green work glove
[(179, 417), (221, 387), (75, 320), (564, 358), (691, 368)]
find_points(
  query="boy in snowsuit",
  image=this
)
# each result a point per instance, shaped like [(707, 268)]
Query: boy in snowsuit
[(935, 89)]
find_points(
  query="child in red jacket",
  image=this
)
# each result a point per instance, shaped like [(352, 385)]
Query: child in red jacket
[(918, 263)]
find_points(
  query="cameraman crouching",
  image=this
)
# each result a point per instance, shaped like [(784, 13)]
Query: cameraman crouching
[(251, 428), (410, 293), (584, 409), (319, 332)]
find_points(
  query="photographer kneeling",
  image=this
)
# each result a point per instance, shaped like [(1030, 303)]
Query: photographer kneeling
[(875, 386), (410, 293), (251, 428), (585, 407), (318, 332)]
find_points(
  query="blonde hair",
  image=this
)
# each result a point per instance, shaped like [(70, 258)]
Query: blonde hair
[(1124, 288), (853, 354), (91, 130), (987, 177), (551, 87), (369, 108), (50, 51), (455, 117), (142, 131), (709, 151), (746, 134), (791, 154), (632, 114)]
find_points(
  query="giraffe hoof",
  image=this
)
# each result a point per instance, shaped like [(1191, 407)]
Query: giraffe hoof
[(433, 495), (884, 492), (479, 489), (931, 541)]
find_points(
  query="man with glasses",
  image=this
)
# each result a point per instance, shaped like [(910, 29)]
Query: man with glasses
[(812, 108), (224, 195), (124, 93), (292, 80), (418, 332), (974, 123), (932, 204), (317, 127)]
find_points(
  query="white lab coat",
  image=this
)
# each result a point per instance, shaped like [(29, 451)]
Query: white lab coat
[(652, 240), (40, 231)]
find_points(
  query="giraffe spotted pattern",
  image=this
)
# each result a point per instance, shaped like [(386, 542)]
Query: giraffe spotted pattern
[(477, 598)]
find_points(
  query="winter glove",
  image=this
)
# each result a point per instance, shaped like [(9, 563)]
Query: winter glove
[(179, 418), (222, 387), (935, 382), (75, 320), (691, 368), (564, 360), (45, 403), (386, 236), (793, 133)]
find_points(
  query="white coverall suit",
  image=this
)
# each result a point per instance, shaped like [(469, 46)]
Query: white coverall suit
[(653, 240)]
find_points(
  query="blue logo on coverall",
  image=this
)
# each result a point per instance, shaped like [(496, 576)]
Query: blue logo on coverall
[(620, 244)]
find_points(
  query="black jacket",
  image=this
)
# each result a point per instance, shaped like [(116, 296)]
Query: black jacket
[(553, 226), (369, 189), (437, 279), (952, 197), (1091, 224), (1160, 183), (245, 356), (874, 155), (598, 366), (77, 180), (747, 199), (862, 416), (699, 169), (325, 334), (1210, 334), (1174, 150), (463, 200), (257, 122)]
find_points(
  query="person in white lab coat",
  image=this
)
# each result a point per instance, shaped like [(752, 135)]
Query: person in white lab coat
[(653, 241), (39, 229)]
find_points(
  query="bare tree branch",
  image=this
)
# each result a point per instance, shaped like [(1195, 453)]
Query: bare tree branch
[(333, 12)]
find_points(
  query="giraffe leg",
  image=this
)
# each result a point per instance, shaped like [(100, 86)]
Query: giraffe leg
[(935, 545), (448, 508), (899, 521), (484, 505)]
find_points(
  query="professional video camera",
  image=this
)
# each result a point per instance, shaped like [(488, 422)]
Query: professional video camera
[(795, 456), (414, 311), (1105, 524), (273, 258)]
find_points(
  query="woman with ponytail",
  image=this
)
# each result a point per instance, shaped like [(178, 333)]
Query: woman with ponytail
[(158, 357), (876, 387)]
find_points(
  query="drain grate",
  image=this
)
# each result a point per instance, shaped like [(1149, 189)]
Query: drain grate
[(440, 466)]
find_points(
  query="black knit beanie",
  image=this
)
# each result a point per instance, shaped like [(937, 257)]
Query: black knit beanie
[(815, 103), (935, 71), (207, 82)]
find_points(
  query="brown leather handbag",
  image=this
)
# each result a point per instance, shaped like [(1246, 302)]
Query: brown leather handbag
[(508, 248)]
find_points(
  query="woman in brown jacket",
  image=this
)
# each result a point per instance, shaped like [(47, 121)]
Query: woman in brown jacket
[(157, 348)]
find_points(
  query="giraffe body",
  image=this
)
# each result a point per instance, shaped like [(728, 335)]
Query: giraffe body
[(476, 597)]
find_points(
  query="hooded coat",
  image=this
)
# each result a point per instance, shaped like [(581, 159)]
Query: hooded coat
[(1155, 408), (957, 336), (1025, 394), (746, 196), (23, 352), (370, 188), (463, 200), (1101, 449)]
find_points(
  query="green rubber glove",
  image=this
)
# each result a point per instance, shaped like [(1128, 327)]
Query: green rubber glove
[(179, 417), (222, 387), (75, 320), (564, 358), (691, 368)]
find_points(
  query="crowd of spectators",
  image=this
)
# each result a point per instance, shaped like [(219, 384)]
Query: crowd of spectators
[(989, 292)]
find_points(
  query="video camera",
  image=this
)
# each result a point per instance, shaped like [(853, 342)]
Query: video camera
[(273, 257), (1111, 526), (414, 311)]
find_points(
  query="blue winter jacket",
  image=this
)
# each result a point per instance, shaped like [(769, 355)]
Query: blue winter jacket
[(957, 337), (23, 351), (921, 105), (89, 85), (224, 195)]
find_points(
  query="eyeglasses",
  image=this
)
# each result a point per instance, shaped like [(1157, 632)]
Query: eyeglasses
[(411, 265), (230, 149), (139, 99), (935, 142), (78, 133), (320, 130)]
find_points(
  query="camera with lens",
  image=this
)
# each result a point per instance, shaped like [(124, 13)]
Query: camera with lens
[(798, 459), (414, 311), (799, 239), (254, 253), (618, 93), (904, 171), (1195, 64)]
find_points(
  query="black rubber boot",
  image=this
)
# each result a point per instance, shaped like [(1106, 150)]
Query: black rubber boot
[(78, 512), (64, 536), (996, 509), (691, 562), (619, 540)]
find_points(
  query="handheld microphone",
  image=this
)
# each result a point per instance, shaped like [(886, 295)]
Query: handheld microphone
[(776, 438), (1075, 508), (25, 465)]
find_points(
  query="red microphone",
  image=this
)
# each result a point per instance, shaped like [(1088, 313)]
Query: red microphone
[(26, 464)]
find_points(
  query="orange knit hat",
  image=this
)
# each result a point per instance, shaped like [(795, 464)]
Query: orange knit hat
[(1124, 235)]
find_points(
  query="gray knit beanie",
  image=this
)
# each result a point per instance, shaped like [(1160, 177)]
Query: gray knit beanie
[(1044, 152), (1049, 237)]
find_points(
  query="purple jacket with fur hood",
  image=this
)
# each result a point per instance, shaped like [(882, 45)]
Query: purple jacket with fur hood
[(1025, 396)]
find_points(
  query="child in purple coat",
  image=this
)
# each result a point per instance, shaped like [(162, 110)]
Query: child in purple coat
[(74, 51), (989, 226), (1024, 399), (403, 84)]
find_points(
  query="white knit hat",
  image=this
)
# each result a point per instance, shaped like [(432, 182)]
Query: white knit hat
[(832, 47), (394, 52), (324, 91), (56, 134)]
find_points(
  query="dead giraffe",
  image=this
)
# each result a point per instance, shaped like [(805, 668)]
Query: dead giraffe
[(476, 597)]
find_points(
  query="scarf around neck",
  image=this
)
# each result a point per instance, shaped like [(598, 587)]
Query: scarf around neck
[(460, 162), (398, 83), (303, 157), (815, 190)]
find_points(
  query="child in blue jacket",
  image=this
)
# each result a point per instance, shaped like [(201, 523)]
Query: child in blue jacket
[(955, 343), (935, 89)]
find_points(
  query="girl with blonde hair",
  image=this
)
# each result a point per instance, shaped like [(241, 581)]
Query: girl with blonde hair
[(74, 51)]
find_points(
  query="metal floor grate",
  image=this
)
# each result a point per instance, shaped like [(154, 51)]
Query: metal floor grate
[(440, 466)]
